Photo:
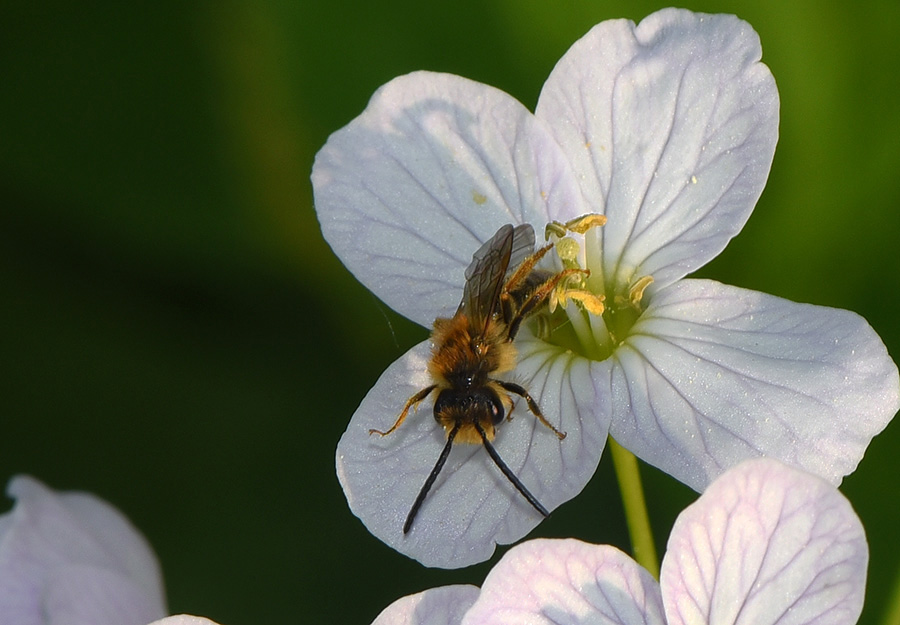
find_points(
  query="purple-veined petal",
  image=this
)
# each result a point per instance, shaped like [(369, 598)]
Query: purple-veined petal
[(445, 605), (73, 558), (408, 190), (766, 544), (472, 507), (543, 582), (713, 374), (671, 128)]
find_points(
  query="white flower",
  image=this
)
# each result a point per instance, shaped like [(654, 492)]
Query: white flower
[(184, 619), (438, 606), (72, 559), (766, 544), (667, 128)]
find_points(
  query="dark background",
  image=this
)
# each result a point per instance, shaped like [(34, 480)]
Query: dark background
[(177, 337)]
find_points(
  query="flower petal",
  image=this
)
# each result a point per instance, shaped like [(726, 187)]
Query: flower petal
[(766, 544), (73, 557), (408, 190), (713, 374), (183, 619), (671, 128), (80, 594), (567, 581), (445, 605), (472, 506)]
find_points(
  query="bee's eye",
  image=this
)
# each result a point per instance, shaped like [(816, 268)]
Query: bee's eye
[(444, 399), (479, 404)]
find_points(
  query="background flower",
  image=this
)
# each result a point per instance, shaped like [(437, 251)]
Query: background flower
[(183, 619), (765, 544), (437, 606), (73, 558)]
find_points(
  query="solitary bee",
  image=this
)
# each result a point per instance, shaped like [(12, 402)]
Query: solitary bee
[(503, 287)]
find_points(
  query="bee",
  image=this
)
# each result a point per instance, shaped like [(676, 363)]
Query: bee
[(469, 350)]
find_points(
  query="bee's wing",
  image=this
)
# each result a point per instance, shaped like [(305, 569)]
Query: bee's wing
[(522, 246), (486, 273)]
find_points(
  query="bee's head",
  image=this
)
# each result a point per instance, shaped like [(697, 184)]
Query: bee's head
[(466, 407)]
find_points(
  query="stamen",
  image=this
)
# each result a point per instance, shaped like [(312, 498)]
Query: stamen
[(582, 328), (568, 250), (573, 280), (584, 223), (579, 225), (603, 339), (590, 302), (636, 292), (586, 316)]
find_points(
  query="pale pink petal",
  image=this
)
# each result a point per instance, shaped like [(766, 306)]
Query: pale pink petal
[(547, 582), (766, 545)]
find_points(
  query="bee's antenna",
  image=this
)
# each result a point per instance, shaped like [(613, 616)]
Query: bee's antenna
[(508, 472), (431, 478)]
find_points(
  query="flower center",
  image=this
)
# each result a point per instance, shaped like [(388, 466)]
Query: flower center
[(588, 314)]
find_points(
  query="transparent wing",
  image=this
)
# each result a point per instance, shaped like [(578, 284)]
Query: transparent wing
[(486, 273), (522, 247)]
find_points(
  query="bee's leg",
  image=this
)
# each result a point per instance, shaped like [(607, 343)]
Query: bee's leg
[(508, 405), (512, 387), (523, 270), (538, 297), (410, 403), (506, 305)]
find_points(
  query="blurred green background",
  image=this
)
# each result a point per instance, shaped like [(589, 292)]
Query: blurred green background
[(178, 338)]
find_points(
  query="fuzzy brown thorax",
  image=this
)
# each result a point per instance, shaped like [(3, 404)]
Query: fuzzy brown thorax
[(462, 360)]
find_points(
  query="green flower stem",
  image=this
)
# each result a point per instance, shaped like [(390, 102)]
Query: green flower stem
[(638, 520), (892, 614)]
